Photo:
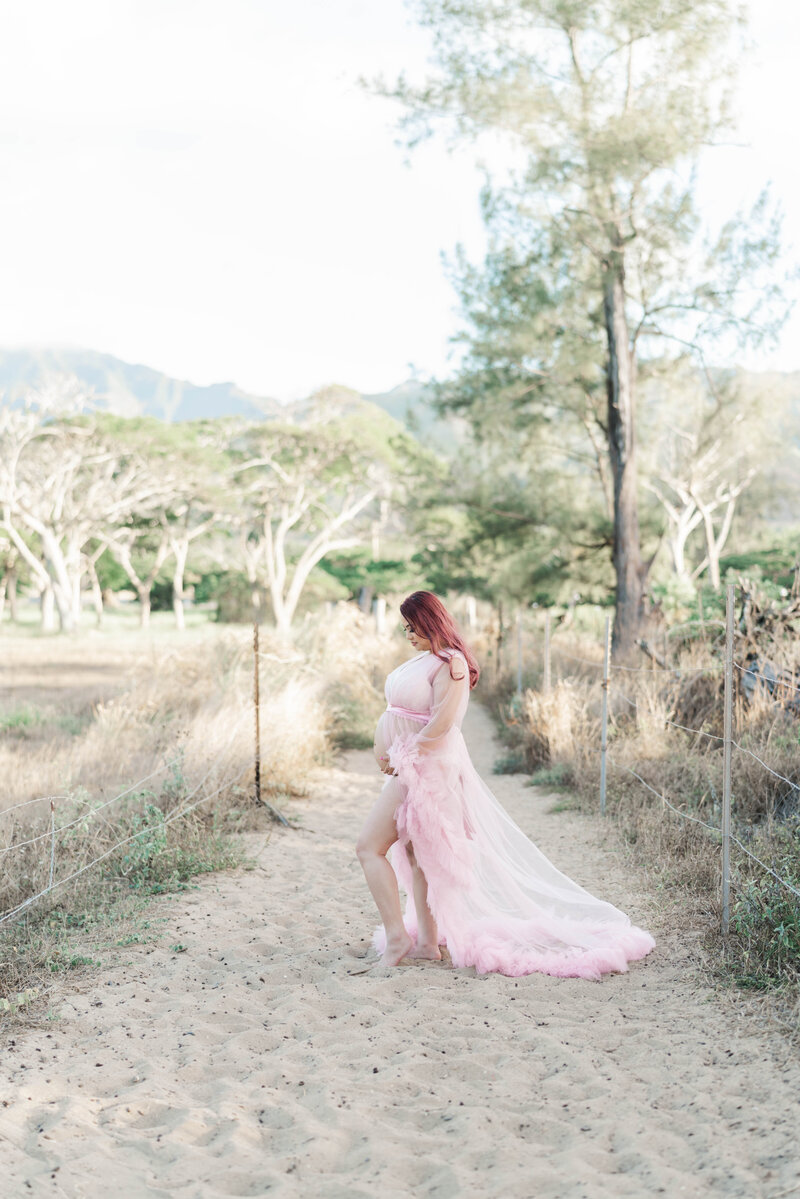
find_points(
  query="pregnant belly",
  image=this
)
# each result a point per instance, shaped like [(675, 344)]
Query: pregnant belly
[(391, 726)]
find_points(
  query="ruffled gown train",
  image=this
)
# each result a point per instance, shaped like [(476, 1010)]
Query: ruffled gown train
[(499, 903)]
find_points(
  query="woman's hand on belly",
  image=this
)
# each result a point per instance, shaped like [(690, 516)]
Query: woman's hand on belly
[(381, 754)]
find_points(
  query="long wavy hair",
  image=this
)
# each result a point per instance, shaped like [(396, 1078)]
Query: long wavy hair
[(428, 616)]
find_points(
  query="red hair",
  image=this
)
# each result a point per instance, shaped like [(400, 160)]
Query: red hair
[(428, 616)]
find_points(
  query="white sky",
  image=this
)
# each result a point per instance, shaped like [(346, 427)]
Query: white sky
[(201, 185)]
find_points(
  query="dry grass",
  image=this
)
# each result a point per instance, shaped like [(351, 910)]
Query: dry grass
[(557, 738), (170, 723)]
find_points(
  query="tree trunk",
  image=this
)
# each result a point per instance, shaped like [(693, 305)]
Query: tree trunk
[(144, 606), (76, 597), (711, 549), (631, 572), (283, 621), (181, 553), (64, 606), (96, 589), (13, 611), (715, 543), (74, 568), (48, 605), (685, 523)]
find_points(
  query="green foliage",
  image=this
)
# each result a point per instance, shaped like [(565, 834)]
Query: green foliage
[(765, 920), (161, 595), (556, 775), (358, 569), (149, 845), (211, 584), (110, 574), (150, 863), (771, 564), (20, 719), (677, 597), (233, 594), (513, 762), (61, 961)]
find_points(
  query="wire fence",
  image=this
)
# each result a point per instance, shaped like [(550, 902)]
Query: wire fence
[(54, 831), (774, 683)]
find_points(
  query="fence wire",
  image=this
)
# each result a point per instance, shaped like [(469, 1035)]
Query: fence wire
[(660, 795), (78, 819), (141, 832), (168, 820), (678, 672), (673, 723), (673, 671), (711, 827), (26, 802)]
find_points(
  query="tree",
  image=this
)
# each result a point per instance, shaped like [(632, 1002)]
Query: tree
[(709, 439), (596, 253), (307, 491), (54, 478), (9, 557), (170, 486)]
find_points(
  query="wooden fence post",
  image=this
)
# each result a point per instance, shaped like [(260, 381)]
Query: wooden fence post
[(604, 717), (546, 676), (726, 764), (257, 707)]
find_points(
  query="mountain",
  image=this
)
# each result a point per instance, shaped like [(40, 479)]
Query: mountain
[(127, 389)]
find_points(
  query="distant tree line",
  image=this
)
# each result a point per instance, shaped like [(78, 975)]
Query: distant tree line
[(262, 501)]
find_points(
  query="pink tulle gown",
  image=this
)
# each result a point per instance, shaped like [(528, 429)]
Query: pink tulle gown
[(499, 903)]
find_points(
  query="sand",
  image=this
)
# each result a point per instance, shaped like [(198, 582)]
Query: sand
[(256, 1062)]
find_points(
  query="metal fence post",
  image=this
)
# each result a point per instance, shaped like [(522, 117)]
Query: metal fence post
[(52, 843), (546, 679), (726, 765), (257, 707), (604, 719)]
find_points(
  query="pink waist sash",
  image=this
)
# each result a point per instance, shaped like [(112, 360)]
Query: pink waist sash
[(423, 716)]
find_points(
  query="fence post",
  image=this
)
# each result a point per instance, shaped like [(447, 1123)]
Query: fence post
[(546, 678), (52, 843), (726, 765), (604, 719), (257, 707), (519, 652)]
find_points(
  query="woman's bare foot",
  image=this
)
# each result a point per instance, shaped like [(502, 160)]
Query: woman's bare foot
[(431, 953), (396, 950)]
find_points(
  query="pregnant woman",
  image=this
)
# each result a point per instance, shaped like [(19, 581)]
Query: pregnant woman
[(474, 881)]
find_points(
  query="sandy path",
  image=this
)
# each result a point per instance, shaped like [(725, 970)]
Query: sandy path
[(254, 1064)]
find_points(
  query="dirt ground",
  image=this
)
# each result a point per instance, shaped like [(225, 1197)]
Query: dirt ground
[(244, 1055)]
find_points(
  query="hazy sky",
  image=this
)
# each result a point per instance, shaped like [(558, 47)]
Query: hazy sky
[(201, 185)]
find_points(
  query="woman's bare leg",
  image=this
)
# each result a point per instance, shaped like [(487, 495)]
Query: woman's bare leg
[(377, 837), (427, 932)]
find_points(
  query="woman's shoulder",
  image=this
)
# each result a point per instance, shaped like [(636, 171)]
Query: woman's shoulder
[(455, 659)]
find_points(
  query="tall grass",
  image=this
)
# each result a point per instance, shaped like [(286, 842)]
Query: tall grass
[(177, 733), (556, 738)]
